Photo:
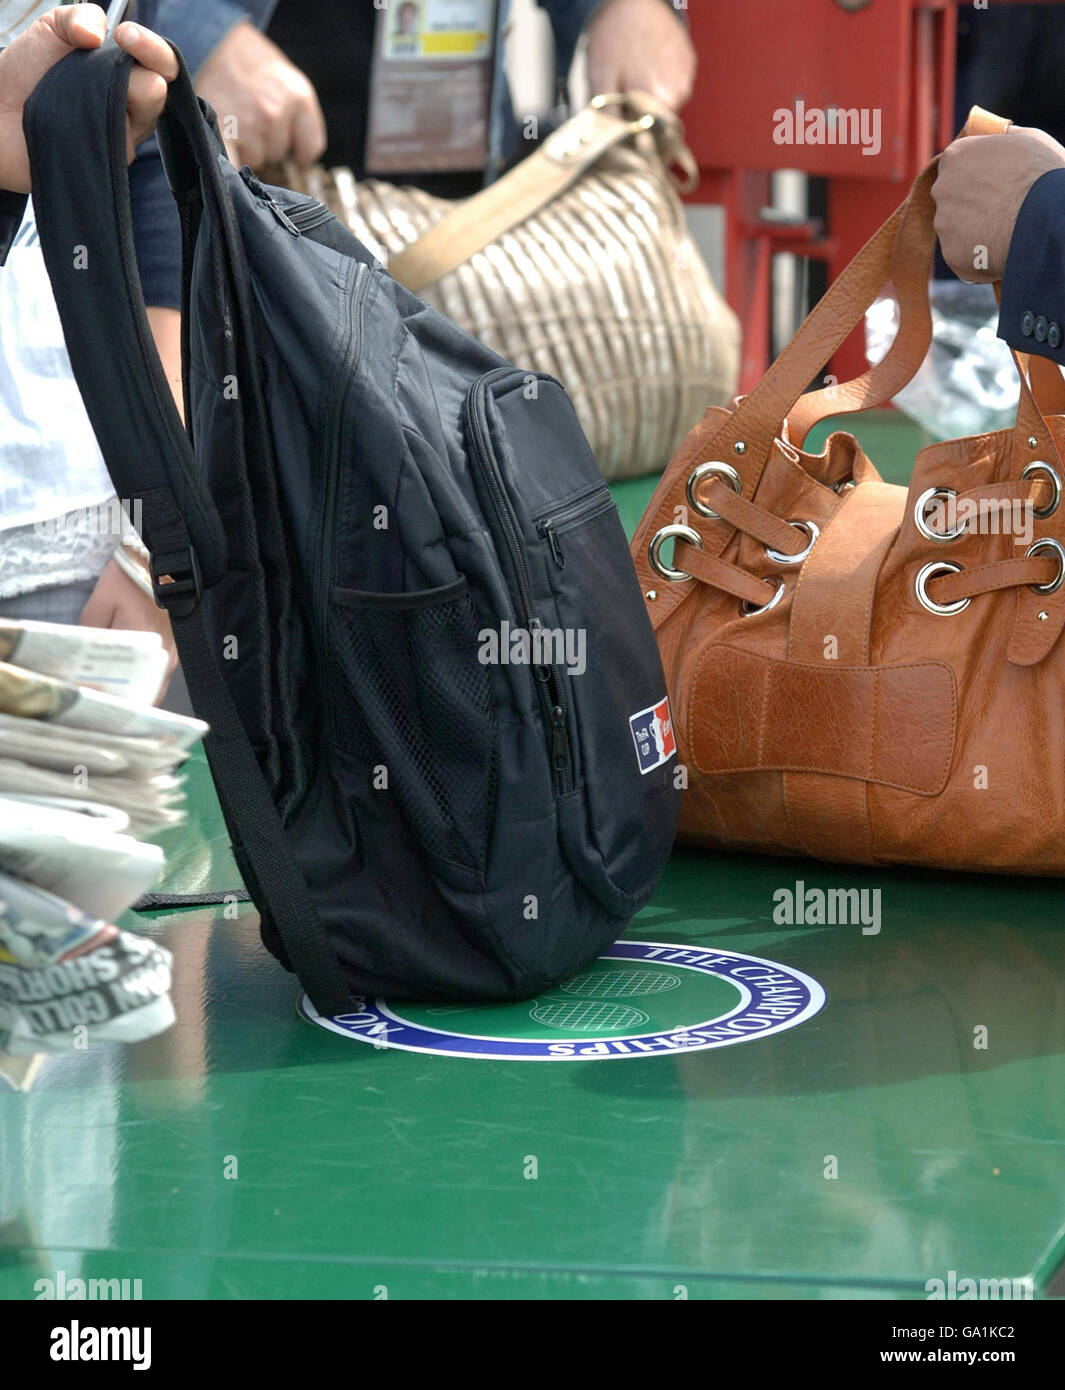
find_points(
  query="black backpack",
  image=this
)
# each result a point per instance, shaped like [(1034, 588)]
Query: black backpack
[(401, 593)]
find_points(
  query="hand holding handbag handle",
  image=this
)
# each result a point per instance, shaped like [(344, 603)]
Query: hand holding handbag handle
[(901, 250), (911, 267)]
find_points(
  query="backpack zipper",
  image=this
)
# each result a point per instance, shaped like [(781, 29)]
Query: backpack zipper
[(309, 215), (338, 390), (548, 678), (295, 220), (281, 215), (299, 220), (576, 513)]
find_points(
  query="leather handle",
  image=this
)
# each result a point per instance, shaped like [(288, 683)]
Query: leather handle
[(564, 156), (756, 419), (981, 122), (911, 267), (745, 436)]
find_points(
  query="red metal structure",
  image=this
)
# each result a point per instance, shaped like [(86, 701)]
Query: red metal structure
[(767, 68)]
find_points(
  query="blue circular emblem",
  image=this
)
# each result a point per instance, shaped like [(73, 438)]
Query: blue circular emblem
[(639, 999)]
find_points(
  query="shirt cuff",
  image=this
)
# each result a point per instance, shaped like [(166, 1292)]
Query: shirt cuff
[(1032, 312)]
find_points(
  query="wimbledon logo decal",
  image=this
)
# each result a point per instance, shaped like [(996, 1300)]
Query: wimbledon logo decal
[(639, 999)]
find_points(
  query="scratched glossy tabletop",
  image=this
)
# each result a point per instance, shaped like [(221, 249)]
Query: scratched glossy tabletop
[(873, 1147)]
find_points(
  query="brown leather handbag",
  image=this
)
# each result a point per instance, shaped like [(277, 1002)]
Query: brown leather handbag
[(862, 672), (579, 263)]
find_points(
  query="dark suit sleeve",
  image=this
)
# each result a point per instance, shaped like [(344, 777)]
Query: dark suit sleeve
[(568, 18), (12, 208), (1032, 316)]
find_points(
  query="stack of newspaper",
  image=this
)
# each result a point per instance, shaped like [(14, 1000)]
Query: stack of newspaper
[(87, 770)]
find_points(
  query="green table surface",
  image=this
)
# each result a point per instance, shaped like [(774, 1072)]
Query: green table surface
[(247, 1154)]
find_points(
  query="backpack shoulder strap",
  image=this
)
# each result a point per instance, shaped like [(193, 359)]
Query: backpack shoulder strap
[(75, 124)]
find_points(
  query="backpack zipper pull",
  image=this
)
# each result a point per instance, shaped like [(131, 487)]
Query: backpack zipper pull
[(559, 742), (283, 217), (551, 536)]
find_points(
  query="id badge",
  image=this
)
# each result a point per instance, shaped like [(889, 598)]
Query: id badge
[(431, 86)]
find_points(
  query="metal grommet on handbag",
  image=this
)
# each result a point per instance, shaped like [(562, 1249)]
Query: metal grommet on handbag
[(715, 469), (1037, 466), (1048, 543), (929, 572), (751, 610), (683, 533), (940, 537), (811, 529)]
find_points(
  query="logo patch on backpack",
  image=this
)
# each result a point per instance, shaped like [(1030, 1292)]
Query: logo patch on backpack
[(652, 732)]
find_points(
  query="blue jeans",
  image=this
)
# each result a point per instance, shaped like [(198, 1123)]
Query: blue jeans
[(61, 604)]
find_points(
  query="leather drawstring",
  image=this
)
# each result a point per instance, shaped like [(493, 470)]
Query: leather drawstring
[(748, 517), (986, 579), (999, 574), (753, 520), (720, 574)]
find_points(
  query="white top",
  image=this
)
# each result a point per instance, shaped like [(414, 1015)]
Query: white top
[(50, 463), (57, 519)]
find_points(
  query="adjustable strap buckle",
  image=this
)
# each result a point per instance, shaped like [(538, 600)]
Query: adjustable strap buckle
[(176, 581)]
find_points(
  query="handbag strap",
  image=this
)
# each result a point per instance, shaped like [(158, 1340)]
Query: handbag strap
[(899, 252), (745, 436), (911, 267), (565, 155)]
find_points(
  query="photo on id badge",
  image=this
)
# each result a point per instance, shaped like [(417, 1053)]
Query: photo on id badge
[(439, 28)]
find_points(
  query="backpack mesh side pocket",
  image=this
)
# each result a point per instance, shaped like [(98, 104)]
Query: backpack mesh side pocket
[(416, 702)]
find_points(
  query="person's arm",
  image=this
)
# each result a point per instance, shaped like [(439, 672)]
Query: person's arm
[(632, 45), (116, 600), (199, 26), (266, 107), (1000, 215)]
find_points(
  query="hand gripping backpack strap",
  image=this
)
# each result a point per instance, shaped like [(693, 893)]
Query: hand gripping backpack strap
[(75, 125)]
